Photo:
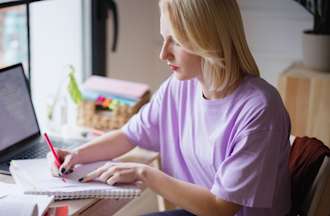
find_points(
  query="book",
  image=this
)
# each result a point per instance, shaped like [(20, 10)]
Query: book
[(93, 96), (115, 87), (12, 196), (34, 176)]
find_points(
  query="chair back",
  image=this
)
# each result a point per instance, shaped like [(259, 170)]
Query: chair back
[(317, 202)]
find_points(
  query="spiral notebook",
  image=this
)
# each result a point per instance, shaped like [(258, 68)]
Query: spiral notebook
[(34, 177)]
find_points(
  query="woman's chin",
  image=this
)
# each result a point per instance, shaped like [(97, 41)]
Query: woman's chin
[(179, 77), (182, 77)]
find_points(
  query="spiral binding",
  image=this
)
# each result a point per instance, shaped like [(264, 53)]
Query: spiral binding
[(86, 194)]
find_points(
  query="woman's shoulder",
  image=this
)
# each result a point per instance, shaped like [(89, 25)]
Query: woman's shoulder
[(258, 100), (259, 92), (260, 106)]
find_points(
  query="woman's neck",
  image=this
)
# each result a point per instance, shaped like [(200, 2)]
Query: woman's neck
[(212, 95)]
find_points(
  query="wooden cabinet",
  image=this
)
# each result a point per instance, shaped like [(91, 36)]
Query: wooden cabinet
[(306, 94)]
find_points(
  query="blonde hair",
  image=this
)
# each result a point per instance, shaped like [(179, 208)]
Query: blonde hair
[(212, 29)]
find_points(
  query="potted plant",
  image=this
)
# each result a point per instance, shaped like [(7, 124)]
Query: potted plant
[(316, 42)]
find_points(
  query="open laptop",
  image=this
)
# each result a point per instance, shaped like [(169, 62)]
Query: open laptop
[(20, 136)]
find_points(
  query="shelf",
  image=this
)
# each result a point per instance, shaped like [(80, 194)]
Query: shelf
[(306, 94)]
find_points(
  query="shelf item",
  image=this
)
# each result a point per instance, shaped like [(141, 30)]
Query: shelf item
[(120, 100)]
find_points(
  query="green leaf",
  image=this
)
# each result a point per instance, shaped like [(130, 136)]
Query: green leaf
[(73, 87)]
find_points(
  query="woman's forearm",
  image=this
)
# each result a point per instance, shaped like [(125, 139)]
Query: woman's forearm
[(105, 147), (191, 197)]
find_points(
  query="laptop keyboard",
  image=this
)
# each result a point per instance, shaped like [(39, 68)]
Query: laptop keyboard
[(32, 153), (40, 150)]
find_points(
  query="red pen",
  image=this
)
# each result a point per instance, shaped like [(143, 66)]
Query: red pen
[(50, 145)]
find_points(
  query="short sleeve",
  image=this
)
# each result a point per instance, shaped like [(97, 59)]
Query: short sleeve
[(248, 175), (143, 128)]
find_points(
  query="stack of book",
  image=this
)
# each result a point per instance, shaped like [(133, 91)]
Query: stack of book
[(109, 103)]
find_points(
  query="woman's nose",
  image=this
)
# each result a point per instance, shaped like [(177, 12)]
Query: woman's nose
[(162, 54), (165, 53)]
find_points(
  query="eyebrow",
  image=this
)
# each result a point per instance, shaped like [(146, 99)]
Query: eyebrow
[(164, 37)]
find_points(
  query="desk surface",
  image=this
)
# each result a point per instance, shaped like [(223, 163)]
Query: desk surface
[(78, 207)]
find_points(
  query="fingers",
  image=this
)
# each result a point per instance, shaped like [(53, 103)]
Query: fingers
[(90, 176), (124, 176), (65, 157), (96, 173), (112, 174), (106, 175), (67, 165)]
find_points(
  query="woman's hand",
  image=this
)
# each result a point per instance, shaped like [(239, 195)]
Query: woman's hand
[(68, 159), (114, 172)]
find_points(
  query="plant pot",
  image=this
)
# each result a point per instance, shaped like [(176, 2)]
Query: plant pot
[(316, 51)]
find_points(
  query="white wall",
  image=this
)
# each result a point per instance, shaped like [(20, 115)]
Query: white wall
[(137, 57), (273, 28), (56, 41), (274, 32)]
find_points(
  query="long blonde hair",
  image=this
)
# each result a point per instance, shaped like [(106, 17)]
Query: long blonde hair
[(212, 29)]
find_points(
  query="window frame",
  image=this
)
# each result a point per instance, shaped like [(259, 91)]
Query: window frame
[(13, 3), (99, 14)]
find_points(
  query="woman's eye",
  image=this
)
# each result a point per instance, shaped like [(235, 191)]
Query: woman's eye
[(171, 41), (177, 44)]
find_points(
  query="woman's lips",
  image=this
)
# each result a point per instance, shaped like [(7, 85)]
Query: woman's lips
[(173, 67)]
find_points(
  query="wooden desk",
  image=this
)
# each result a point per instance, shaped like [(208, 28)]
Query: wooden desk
[(147, 202)]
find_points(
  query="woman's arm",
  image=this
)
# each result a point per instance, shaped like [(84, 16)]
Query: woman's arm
[(191, 197), (105, 147)]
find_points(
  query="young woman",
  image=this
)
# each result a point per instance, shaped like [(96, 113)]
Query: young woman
[(222, 132)]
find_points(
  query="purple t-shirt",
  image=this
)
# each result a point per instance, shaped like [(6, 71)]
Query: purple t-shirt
[(237, 146)]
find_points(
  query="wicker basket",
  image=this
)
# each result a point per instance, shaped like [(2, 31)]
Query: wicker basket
[(89, 117)]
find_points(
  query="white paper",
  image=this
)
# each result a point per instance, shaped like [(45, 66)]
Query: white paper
[(34, 175), (14, 202), (18, 206), (6, 189), (37, 173)]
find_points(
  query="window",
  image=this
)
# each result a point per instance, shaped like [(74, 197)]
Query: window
[(13, 36), (47, 36)]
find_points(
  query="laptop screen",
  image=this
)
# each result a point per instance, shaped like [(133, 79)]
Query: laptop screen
[(17, 117)]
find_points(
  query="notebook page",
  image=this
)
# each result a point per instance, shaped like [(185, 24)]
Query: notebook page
[(37, 172), (35, 177)]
